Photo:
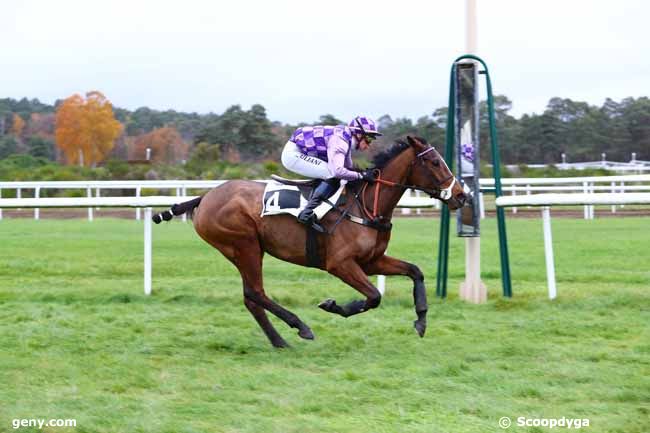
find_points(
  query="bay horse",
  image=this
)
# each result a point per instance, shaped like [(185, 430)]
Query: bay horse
[(228, 218)]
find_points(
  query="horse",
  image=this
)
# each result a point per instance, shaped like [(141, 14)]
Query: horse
[(228, 218)]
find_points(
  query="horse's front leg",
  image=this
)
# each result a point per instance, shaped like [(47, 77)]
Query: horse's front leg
[(386, 265), (352, 274)]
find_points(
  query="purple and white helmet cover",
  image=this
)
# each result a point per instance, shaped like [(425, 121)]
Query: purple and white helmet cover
[(365, 125)]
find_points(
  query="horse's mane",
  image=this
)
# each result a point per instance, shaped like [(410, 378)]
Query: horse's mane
[(381, 159)]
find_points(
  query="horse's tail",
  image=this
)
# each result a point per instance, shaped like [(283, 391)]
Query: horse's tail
[(176, 210)]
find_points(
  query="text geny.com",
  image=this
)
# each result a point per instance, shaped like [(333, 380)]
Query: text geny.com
[(40, 423)]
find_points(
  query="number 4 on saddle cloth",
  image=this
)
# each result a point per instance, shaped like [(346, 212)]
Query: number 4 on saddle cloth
[(291, 196)]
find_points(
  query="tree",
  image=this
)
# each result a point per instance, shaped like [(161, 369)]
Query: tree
[(329, 119), (41, 124), (86, 128), (40, 147), (203, 158), (166, 145), (17, 126), (8, 146), (248, 133)]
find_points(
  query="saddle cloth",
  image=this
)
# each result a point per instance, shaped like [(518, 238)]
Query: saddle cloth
[(279, 199)]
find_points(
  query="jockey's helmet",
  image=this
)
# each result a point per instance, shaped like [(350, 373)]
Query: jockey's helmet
[(364, 125)]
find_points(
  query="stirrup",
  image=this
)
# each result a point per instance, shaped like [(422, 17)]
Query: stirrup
[(307, 220), (319, 228), (311, 222)]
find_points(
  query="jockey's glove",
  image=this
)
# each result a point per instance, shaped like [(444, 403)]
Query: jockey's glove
[(368, 175)]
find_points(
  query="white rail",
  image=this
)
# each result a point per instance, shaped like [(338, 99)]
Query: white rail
[(138, 202), (548, 200), (147, 203), (411, 199)]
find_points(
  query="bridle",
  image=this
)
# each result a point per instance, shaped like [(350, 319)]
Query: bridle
[(440, 192)]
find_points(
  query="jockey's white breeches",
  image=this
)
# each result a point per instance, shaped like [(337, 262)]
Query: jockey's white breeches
[(304, 165)]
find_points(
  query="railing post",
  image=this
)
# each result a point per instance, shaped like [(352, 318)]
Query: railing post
[(481, 204), (548, 252), (592, 189), (622, 192), (89, 193), (613, 185), (0, 208), (381, 284), (585, 189), (137, 211), (184, 193), (37, 194), (514, 193), (406, 210), (147, 250)]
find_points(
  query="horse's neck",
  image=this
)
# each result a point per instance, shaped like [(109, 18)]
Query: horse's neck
[(395, 171)]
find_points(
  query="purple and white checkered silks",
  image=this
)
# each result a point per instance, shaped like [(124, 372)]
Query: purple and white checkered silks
[(467, 151), (313, 140), (364, 124)]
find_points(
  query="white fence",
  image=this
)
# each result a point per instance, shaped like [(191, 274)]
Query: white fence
[(412, 199), (179, 187), (544, 200), (548, 200), (584, 185), (141, 202)]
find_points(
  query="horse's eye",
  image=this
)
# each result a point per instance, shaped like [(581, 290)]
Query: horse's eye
[(436, 162)]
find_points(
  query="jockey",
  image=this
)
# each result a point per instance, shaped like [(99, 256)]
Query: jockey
[(325, 152)]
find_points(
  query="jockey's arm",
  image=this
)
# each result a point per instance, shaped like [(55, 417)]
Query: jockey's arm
[(337, 150)]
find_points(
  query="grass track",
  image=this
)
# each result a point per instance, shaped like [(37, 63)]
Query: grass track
[(79, 340)]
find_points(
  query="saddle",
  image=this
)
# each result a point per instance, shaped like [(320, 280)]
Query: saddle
[(289, 196), (295, 182)]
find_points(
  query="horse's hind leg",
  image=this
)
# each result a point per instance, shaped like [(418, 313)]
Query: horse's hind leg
[(353, 275), (249, 263)]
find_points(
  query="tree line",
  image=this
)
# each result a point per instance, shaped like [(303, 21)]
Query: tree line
[(89, 130)]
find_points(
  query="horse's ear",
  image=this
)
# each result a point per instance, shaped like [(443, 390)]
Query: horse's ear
[(416, 141)]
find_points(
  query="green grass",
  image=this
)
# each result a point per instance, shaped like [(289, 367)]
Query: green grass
[(80, 340)]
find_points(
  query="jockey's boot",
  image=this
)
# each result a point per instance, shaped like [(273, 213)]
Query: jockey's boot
[(322, 192)]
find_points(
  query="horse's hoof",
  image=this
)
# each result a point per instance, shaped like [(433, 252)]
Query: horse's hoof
[(420, 326), (327, 305), (156, 219), (280, 344), (306, 334)]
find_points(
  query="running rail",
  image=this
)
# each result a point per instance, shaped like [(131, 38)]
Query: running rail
[(545, 201)]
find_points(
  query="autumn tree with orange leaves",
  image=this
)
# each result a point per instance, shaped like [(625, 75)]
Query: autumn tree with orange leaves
[(166, 146), (17, 126), (86, 128)]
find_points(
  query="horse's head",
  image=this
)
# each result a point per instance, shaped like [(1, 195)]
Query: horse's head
[(430, 172)]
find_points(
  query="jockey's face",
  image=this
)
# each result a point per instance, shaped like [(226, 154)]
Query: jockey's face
[(364, 142)]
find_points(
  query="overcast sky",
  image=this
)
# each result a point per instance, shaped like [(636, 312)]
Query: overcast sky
[(301, 59)]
